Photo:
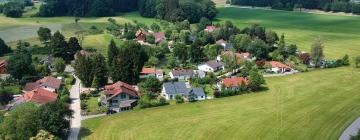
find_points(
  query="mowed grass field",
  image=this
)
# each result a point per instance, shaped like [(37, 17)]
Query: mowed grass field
[(341, 34), (316, 105)]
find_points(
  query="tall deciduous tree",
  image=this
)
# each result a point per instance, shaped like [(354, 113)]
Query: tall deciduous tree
[(317, 53), (256, 79), (59, 65), (20, 124), (52, 117), (44, 35)]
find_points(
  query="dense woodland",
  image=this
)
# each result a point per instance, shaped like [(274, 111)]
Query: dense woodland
[(326, 5)]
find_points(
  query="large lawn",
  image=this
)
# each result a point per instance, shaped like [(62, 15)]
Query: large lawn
[(341, 34), (308, 106)]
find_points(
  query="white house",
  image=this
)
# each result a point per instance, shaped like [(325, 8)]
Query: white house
[(211, 66), (182, 74), (198, 93), (171, 89), (279, 67), (147, 72)]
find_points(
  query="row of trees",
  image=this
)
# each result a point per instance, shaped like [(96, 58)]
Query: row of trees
[(28, 119), (12, 9), (327, 5), (91, 70), (86, 7), (174, 11)]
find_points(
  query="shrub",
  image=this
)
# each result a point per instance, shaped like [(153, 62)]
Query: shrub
[(179, 99), (83, 105), (65, 98), (357, 61)]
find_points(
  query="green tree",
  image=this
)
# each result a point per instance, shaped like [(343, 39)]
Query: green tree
[(52, 117), (44, 35), (73, 47), (256, 79), (13, 9), (317, 53), (83, 69), (44, 135), (112, 52), (357, 61), (179, 99), (212, 51), (155, 27), (241, 42), (151, 84), (20, 124), (59, 65), (150, 39), (345, 60), (259, 49), (271, 37), (153, 61), (58, 46), (230, 61), (127, 66), (99, 70), (203, 23), (100, 8), (181, 52), (195, 52), (20, 63), (4, 48)]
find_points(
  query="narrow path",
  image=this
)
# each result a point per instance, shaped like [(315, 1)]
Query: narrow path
[(352, 130), (75, 122), (92, 116)]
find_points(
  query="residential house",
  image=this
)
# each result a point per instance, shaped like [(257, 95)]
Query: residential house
[(49, 83), (120, 96), (182, 74), (38, 96), (48, 61), (239, 56), (198, 93), (141, 34), (211, 66), (210, 29), (3, 64), (171, 89), (232, 83), (279, 67), (146, 72), (226, 46)]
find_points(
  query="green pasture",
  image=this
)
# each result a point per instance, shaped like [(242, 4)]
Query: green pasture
[(315, 105)]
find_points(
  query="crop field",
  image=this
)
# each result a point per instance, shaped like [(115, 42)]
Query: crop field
[(316, 105)]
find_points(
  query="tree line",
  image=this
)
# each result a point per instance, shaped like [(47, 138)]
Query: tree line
[(174, 11), (326, 5), (86, 7)]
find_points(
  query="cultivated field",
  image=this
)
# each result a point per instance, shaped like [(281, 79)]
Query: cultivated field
[(315, 105)]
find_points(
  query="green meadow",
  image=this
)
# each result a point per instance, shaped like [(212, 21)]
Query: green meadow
[(316, 105)]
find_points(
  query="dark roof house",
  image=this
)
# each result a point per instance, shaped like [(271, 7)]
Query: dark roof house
[(176, 88)]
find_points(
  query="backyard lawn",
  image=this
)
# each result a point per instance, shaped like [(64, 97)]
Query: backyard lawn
[(314, 105)]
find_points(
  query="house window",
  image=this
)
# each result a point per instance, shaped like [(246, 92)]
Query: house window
[(202, 96), (171, 96), (122, 96)]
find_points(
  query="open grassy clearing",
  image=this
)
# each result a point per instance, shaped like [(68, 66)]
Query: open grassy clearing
[(314, 105), (340, 33)]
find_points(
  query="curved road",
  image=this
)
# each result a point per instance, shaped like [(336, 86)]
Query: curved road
[(352, 130), (75, 122)]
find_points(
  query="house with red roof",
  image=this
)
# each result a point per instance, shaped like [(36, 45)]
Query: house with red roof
[(147, 72), (49, 83), (38, 96), (210, 29), (141, 34), (3, 64), (120, 96), (279, 67), (232, 83)]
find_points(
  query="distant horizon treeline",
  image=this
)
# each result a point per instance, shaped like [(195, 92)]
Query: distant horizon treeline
[(346, 6), (83, 8)]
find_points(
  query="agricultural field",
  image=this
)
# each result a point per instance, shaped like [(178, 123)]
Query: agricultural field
[(316, 105)]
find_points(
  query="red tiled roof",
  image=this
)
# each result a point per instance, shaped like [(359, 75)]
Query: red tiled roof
[(276, 64), (210, 28), (151, 71), (234, 81), (40, 96), (46, 81), (120, 88), (159, 36), (3, 64)]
